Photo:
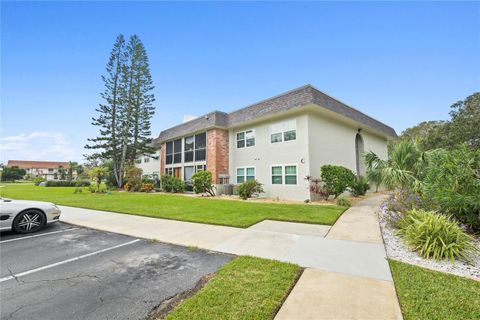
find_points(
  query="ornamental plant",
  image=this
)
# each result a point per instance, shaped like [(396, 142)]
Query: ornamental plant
[(337, 179), (436, 236), (248, 188), (202, 182), (172, 184)]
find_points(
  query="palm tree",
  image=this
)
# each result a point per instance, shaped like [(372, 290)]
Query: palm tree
[(402, 170)]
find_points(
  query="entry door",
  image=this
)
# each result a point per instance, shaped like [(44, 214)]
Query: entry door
[(177, 172)]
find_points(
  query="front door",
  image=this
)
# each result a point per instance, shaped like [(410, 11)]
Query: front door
[(177, 172)]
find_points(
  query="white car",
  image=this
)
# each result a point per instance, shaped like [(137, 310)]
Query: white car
[(26, 216)]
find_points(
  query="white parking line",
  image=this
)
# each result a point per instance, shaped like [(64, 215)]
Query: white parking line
[(39, 235), (21, 274)]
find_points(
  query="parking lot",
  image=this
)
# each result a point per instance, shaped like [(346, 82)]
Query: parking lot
[(67, 272)]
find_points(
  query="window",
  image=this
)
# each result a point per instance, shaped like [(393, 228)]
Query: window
[(146, 159), (277, 175), (188, 148), (200, 167), (188, 173), (245, 174), (169, 171), (290, 135), (200, 146), (50, 169), (290, 174), (177, 151), (284, 174), (169, 153), (283, 131), (138, 160), (246, 139)]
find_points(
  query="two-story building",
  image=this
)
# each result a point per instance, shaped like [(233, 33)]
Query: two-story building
[(50, 170), (278, 141)]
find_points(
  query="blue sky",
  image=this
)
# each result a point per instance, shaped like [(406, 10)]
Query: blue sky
[(401, 63)]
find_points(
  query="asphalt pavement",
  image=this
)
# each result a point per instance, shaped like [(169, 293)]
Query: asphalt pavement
[(69, 272)]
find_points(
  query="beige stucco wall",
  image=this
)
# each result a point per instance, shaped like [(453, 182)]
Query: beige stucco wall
[(321, 139), (332, 141), (265, 154)]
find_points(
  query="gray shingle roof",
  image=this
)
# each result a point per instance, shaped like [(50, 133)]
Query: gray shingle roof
[(283, 102)]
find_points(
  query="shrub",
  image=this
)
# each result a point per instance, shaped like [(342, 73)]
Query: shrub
[(452, 181), (38, 180), (60, 183), (202, 182), (404, 200), (133, 178), (78, 190), (172, 184), (82, 183), (317, 188), (102, 188), (337, 179), (436, 236), (343, 201), (98, 188), (249, 188), (147, 187), (360, 186)]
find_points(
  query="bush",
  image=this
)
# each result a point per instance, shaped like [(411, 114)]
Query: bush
[(436, 236), (404, 200), (172, 184), (343, 201), (317, 188), (133, 178), (147, 187), (202, 182), (249, 188), (98, 188), (60, 183), (360, 186), (38, 180), (452, 181), (337, 179), (82, 183)]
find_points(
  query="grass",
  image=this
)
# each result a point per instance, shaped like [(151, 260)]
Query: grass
[(426, 294), (203, 210), (244, 288)]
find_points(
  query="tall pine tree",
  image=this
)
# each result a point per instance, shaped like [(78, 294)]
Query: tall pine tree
[(124, 118)]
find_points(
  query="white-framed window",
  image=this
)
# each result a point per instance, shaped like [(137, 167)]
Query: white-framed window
[(169, 171), (146, 159), (246, 138), (245, 174), (283, 131), (138, 160), (200, 167), (284, 174)]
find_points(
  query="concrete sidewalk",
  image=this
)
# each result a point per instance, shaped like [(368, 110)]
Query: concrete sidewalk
[(337, 293), (299, 243), (347, 275)]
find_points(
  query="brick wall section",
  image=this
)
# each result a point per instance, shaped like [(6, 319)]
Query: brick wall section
[(162, 159), (217, 152)]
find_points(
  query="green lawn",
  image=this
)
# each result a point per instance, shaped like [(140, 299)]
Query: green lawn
[(426, 294), (212, 211), (244, 288)]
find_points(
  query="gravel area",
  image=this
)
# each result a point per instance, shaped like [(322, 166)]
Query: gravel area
[(397, 250)]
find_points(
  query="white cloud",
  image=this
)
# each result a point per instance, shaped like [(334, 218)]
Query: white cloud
[(38, 145)]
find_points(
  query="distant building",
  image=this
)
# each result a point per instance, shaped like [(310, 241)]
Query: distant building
[(150, 164), (46, 169)]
